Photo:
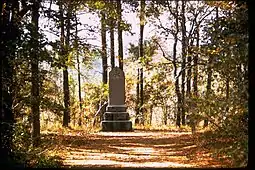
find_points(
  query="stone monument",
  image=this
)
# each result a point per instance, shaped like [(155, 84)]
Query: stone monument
[(116, 118)]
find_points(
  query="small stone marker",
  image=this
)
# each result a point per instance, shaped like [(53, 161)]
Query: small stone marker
[(116, 118)]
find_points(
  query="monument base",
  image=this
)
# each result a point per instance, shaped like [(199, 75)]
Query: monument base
[(116, 116), (116, 125)]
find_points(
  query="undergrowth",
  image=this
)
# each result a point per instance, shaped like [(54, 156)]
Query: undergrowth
[(26, 155), (225, 144), (230, 141)]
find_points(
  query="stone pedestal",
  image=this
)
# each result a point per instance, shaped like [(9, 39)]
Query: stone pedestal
[(116, 118), (117, 126)]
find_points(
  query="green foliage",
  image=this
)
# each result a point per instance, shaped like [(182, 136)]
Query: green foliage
[(229, 119), (149, 51), (22, 143), (237, 129), (48, 162), (21, 137), (109, 8), (130, 96), (157, 88), (25, 154), (51, 94), (94, 95)]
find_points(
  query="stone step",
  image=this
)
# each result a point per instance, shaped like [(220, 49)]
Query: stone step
[(116, 108), (116, 116), (116, 126)]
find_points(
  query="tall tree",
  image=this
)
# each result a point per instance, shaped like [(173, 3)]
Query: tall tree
[(103, 53), (195, 60), (189, 71), (35, 99), (9, 36), (112, 26), (184, 53), (64, 46), (79, 70), (141, 55), (177, 88), (139, 88), (210, 70), (137, 95), (120, 40)]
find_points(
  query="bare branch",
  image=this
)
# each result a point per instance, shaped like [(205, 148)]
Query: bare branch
[(167, 29), (192, 27), (170, 10), (201, 20)]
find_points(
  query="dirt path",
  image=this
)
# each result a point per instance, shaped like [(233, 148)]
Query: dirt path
[(132, 149)]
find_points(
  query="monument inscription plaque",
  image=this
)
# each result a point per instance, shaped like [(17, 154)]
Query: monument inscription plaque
[(116, 118)]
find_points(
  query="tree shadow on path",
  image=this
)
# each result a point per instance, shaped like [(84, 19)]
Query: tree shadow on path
[(132, 149)]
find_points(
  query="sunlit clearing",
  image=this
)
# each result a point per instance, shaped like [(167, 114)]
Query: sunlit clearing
[(101, 163), (140, 150), (125, 149), (191, 146), (125, 134), (166, 145), (157, 164), (90, 162)]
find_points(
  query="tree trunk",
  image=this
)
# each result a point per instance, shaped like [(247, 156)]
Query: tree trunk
[(104, 53), (8, 37), (112, 42), (210, 72), (120, 41), (195, 60), (179, 103), (227, 99), (139, 88), (209, 83), (141, 112), (35, 100), (189, 75), (151, 114), (141, 55), (79, 72), (189, 70), (137, 96), (184, 47), (79, 86), (177, 89), (165, 110), (66, 117)]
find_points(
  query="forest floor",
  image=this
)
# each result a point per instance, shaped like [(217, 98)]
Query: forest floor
[(141, 148)]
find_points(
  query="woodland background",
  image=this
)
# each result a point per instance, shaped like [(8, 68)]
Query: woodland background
[(190, 74)]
